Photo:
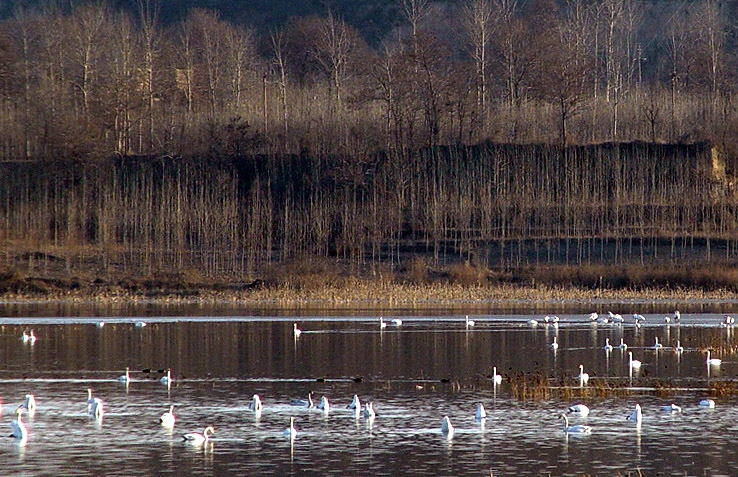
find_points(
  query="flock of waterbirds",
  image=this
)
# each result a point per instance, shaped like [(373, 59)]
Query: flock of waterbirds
[(96, 406)]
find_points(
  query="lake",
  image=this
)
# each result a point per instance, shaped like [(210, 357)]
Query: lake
[(416, 373)]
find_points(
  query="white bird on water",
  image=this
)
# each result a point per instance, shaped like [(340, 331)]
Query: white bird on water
[(637, 415), (126, 378), (496, 378), (197, 438), (19, 430), (303, 402), (29, 404), (382, 324), (593, 316), (578, 409), (397, 322), (578, 429), (167, 419), (481, 412), (679, 348), (167, 380), (141, 324), (355, 403), (469, 322), (533, 323), (622, 345), (95, 406), (369, 411), (29, 338), (707, 403), (446, 427), (713, 361), (256, 404), (633, 363), (608, 346), (324, 405), (657, 346), (296, 331), (554, 345), (291, 432), (672, 408), (583, 377)]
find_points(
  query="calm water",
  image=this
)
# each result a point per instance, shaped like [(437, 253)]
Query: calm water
[(220, 362)]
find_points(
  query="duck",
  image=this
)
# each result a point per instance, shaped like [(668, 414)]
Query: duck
[(608, 346), (303, 402), (578, 429), (296, 331), (713, 361), (554, 345), (481, 412), (637, 415), (167, 380), (707, 403), (578, 409), (196, 437), (291, 432), (19, 429), (446, 426), (369, 411), (29, 404), (657, 346), (583, 377), (671, 408), (126, 378), (382, 324), (622, 345), (324, 405), (470, 322), (496, 378), (255, 404), (167, 419)]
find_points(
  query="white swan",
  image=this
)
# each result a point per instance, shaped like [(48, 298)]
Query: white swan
[(18, 427), (470, 322), (578, 429), (496, 378), (671, 408), (126, 378), (533, 323), (303, 402), (291, 431), (679, 348), (554, 345), (255, 404), (141, 324), (713, 361), (481, 412), (100, 324), (583, 377), (622, 345), (324, 405), (608, 346), (707, 403), (667, 319), (657, 346), (167, 380), (355, 403), (677, 316), (633, 363), (29, 404), (578, 409), (638, 317), (296, 331), (616, 318), (29, 338), (728, 320), (593, 316), (167, 419), (382, 324), (196, 437), (369, 411), (446, 426), (397, 322), (637, 415), (95, 406)]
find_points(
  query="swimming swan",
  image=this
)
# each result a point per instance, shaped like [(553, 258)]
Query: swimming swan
[(255, 404), (167, 419), (95, 405), (707, 403), (324, 405), (355, 404), (578, 409), (302, 402), (671, 408), (141, 324), (382, 324), (167, 380), (19, 429), (637, 415), (554, 345), (679, 348), (126, 378), (713, 361), (608, 346), (291, 431), (469, 322), (578, 429), (657, 346), (496, 378), (196, 437), (397, 322), (622, 345), (296, 331), (583, 377), (633, 363), (29, 404), (446, 426), (369, 411), (481, 412), (29, 338)]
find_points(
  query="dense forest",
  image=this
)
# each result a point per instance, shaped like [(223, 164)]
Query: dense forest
[(501, 132)]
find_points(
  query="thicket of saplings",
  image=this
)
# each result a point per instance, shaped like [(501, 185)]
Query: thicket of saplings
[(200, 151)]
